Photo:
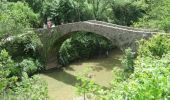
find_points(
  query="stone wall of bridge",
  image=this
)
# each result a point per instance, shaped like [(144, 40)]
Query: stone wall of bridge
[(120, 36)]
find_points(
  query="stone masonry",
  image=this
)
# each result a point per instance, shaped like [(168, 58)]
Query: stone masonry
[(120, 36)]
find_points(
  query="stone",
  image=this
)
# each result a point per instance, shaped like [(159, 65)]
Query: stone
[(120, 36)]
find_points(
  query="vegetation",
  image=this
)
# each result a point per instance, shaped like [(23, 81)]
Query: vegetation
[(19, 46), (128, 61), (6, 65), (156, 46), (145, 77), (23, 47), (15, 17), (84, 85), (157, 15), (126, 13), (24, 50), (19, 85), (150, 79), (83, 46)]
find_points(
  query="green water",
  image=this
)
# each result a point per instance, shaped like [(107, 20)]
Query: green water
[(61, 83)]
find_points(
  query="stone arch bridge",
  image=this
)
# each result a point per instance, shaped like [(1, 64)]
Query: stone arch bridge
[(120, 36)]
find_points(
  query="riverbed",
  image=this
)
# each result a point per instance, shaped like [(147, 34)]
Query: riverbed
[(61, 83)]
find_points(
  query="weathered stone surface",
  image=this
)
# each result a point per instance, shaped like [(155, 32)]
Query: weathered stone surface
[(120, 36)]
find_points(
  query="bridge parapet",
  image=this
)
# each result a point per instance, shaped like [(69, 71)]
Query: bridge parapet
[(120, 26)]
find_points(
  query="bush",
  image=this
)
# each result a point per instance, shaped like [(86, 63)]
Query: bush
[(155, 46), (32, 88), (30, 66), (25, 53), (126, 13), (24, 45), (6, 65), (83, 46), (12, 88), (15, 17), (150, 79), (157, 15), (128, 60)]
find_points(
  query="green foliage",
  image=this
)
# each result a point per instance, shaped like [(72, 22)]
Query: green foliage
[(101, 9), (126, 13), (150, 77), (83, 45), (22, 46), (155, 46), (15, 17), (36, 5), (11, 88), (32, 88), (157, 15), (6, 65), (24, 50), (64, 11), (149, 81), (30, 66), (85, 86), (128, 60), (59, 10)]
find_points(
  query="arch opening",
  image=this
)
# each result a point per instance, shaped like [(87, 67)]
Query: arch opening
[(96, 44)]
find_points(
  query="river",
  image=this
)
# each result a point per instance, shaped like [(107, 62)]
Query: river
[(61, 83)]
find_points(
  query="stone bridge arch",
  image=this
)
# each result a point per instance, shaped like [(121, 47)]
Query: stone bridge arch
[(120, 36)]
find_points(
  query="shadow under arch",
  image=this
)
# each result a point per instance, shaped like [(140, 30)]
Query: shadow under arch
[(54, 49)]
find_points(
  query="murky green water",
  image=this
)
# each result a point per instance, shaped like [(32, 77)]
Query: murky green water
[(61, 84)]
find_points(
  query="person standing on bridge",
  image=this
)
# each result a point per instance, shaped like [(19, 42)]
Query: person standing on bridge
[(49, 24)]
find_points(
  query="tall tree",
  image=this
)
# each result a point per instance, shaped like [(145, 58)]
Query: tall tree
[(157, 16)]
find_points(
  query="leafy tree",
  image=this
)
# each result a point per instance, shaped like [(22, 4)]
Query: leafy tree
[(60, 11), (63, 11), (126, 13), (157, 15), (13, 88), (101, 9), (22, 46), (6, 66), (15, 17), (36, 5), (28, 88)]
